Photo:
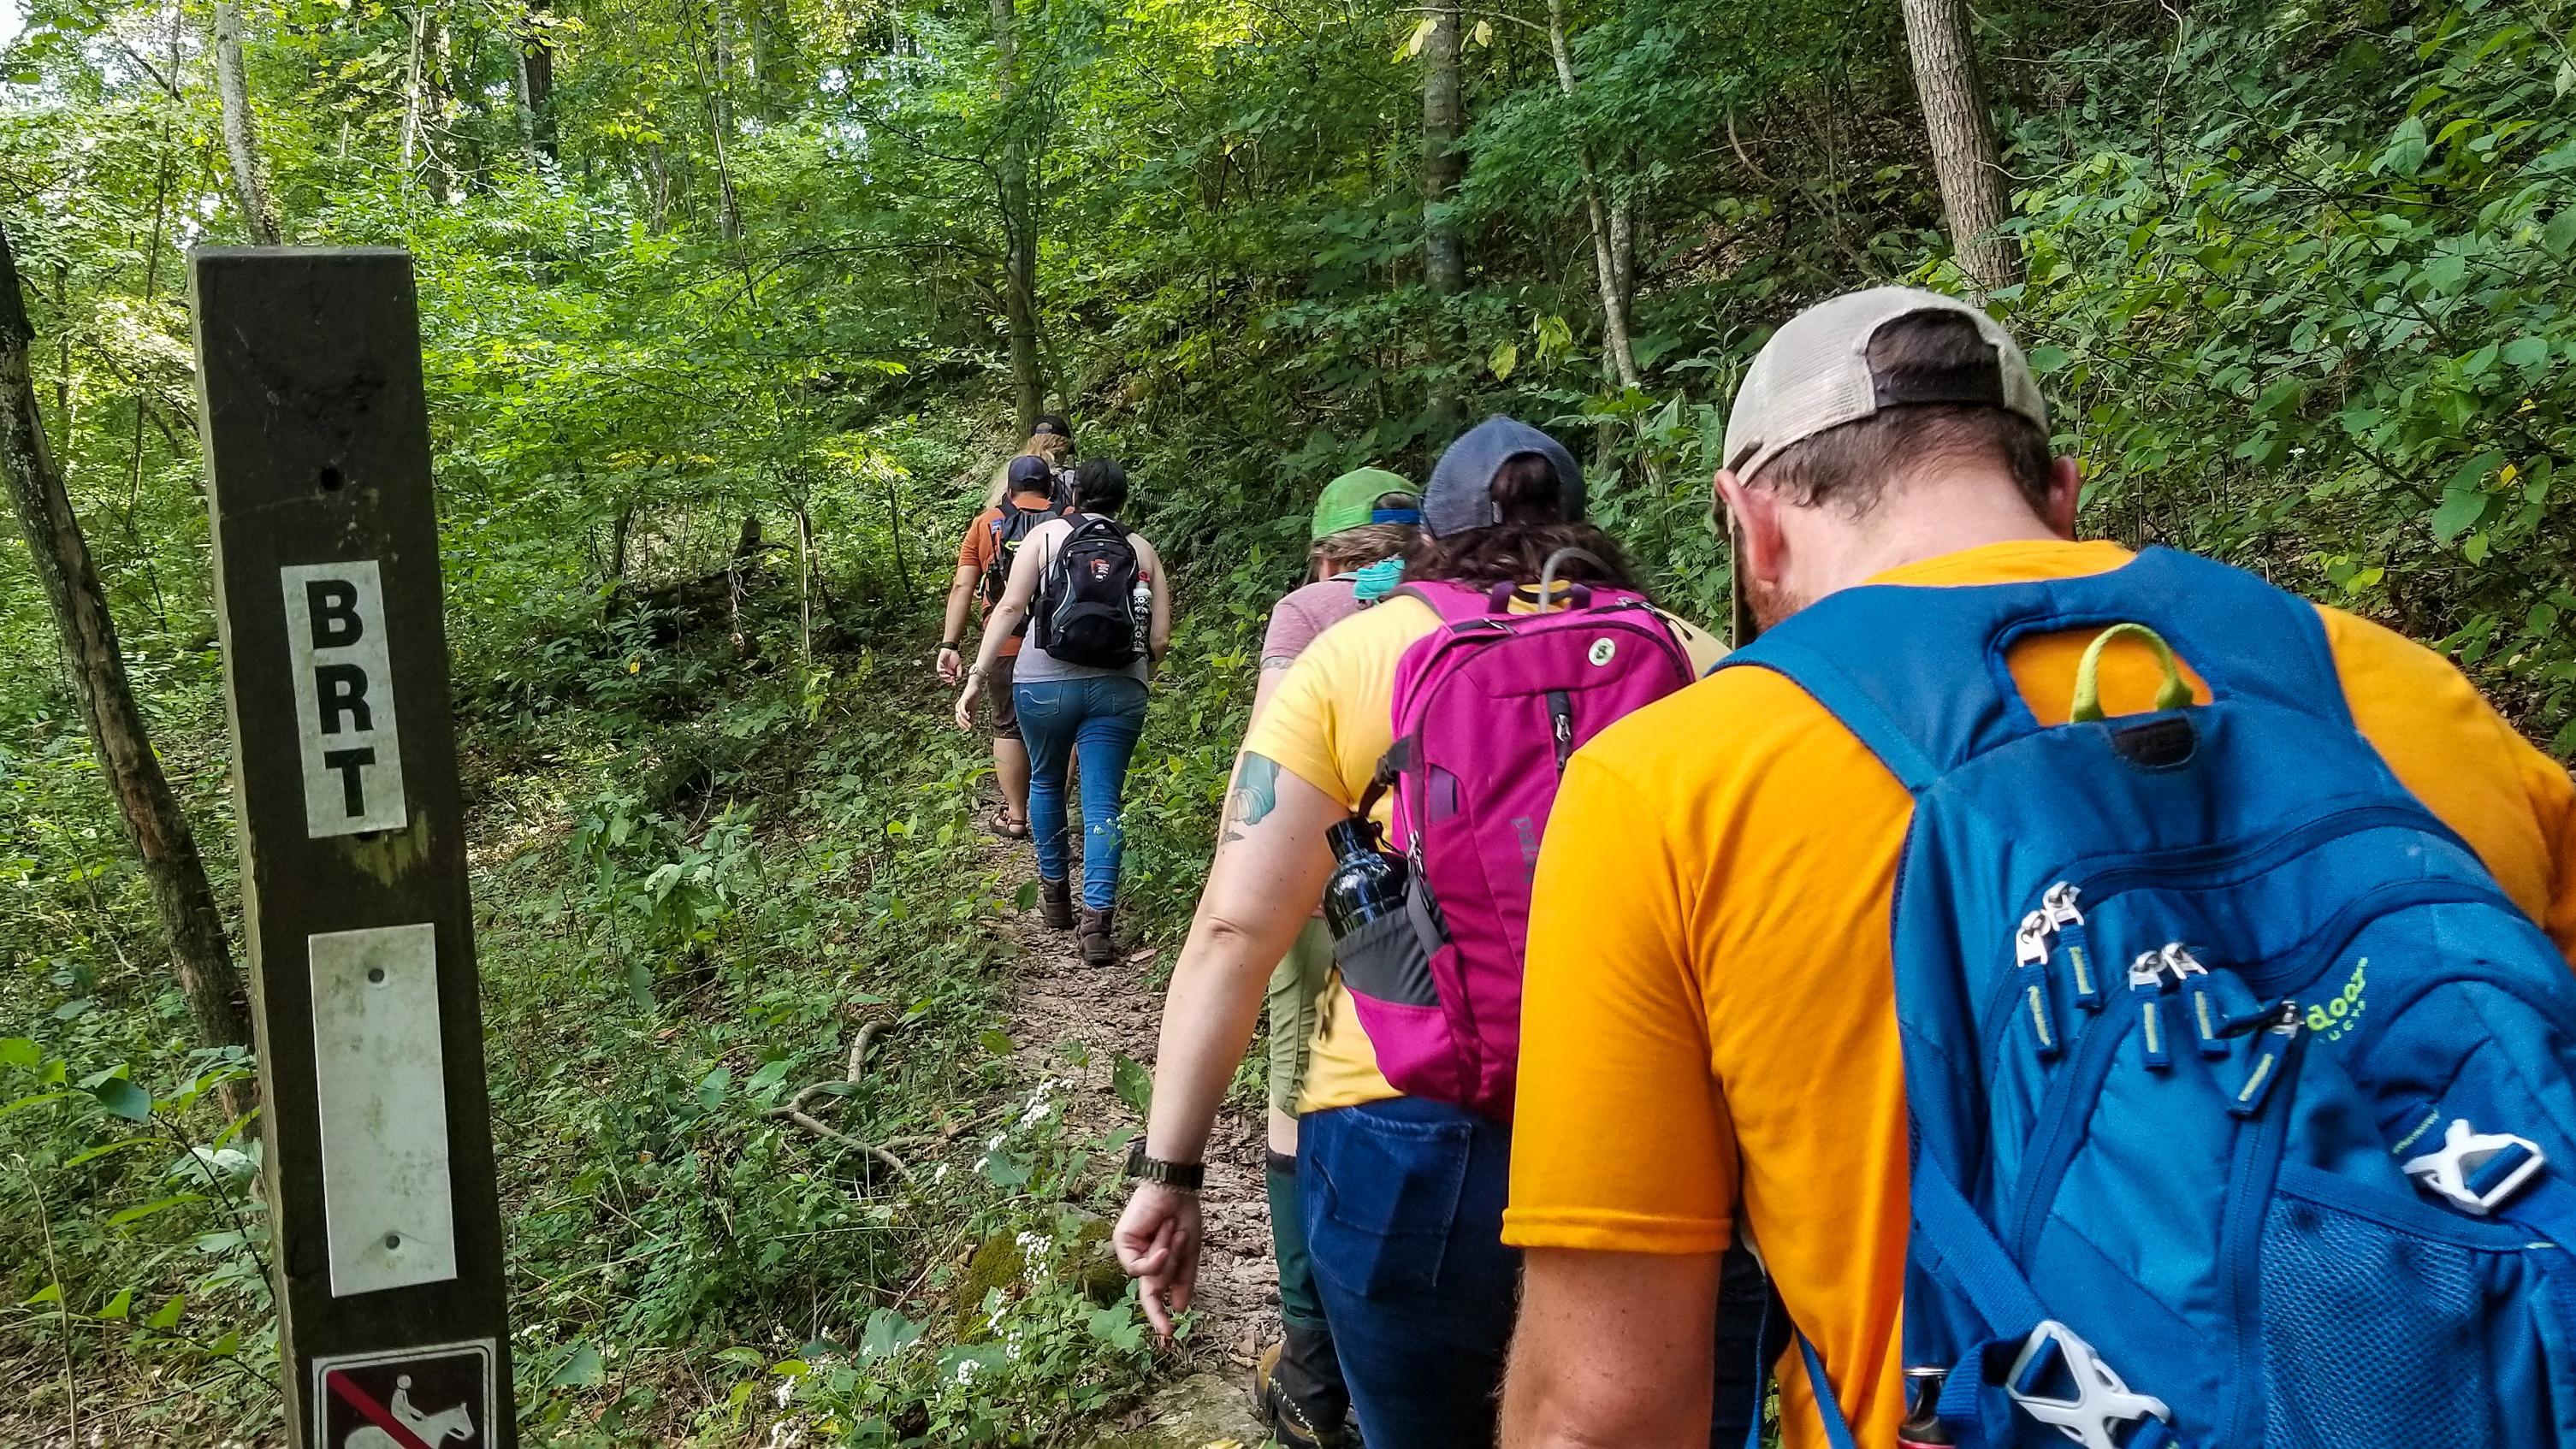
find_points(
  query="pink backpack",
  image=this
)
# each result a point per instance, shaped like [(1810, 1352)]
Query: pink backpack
[(1488, 708)]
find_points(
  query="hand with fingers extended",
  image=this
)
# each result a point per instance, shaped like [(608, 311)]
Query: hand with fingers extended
[(966, 700), (1158, 1244)]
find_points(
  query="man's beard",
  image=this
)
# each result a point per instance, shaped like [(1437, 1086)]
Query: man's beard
[(1769, 603)]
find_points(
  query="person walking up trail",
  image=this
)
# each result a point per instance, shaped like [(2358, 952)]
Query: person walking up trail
[(1401, 1195), (1099, 606), (1363, 523), (983, 572), (1050, 442), (2121, 998)]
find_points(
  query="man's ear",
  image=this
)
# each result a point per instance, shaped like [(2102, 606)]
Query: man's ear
[(1761, 549), (2065, 490)]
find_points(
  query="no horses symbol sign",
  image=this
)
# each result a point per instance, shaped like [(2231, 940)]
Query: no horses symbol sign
[(416, 1398)]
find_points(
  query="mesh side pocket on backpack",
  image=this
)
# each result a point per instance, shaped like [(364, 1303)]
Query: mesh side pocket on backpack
[(2371, 1336), (1385, 959)]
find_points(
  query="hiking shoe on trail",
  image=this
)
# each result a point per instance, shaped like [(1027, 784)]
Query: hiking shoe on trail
[(1297, 1390), (1099, 944), (1055, 902)]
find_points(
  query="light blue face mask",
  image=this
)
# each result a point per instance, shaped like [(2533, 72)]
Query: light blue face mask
[(1375, 581)]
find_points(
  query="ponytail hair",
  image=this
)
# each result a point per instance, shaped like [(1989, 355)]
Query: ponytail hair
[(1533, 528)]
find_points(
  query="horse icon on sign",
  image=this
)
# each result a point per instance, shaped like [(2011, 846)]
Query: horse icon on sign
[(418, 1398)]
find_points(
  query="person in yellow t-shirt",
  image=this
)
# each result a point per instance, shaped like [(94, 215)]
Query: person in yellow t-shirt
[(1710, 1041), (1402, 1196)]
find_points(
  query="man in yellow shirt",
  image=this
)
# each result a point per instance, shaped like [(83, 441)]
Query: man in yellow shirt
[(1710, 1040)]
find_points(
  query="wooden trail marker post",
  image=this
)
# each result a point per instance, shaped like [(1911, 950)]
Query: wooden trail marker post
[(387, 1250)]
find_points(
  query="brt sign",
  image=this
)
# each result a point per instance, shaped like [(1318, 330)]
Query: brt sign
[(344, 702), (391, 1323)]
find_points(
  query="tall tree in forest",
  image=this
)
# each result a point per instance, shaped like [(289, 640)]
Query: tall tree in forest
[(1019, 226), (1965, 156), (154, 823), (1444, 259), (537, 83), (1606, 245), (241, 129)]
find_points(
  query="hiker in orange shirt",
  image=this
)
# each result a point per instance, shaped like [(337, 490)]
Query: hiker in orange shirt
[(1027, 494), (1710, 1040)]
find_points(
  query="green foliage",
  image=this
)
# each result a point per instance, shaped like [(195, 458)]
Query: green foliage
[(2297, 287), (2377, 307)]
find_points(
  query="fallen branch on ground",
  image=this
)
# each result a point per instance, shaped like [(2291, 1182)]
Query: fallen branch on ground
[(795, 1110)]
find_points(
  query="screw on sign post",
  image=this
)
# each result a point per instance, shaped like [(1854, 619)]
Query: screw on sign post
[(379, 1163)]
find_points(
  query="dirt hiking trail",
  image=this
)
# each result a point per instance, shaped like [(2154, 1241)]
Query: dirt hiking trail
[(1058, 1001)]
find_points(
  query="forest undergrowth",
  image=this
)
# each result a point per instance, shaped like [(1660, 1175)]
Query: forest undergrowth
[(728, 309), (786, 1152)]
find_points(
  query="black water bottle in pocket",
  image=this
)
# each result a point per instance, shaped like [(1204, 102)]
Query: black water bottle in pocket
[(1367, 884)]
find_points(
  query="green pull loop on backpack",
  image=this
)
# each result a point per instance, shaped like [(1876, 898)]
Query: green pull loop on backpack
[(2174, 693)]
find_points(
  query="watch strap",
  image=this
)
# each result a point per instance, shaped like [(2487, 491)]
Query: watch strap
[(1186, 1176)]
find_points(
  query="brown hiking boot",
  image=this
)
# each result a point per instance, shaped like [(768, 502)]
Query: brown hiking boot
[(1055, 902), (1099, 943)]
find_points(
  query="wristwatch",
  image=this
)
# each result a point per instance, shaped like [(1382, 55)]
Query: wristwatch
[(1186, 1176)]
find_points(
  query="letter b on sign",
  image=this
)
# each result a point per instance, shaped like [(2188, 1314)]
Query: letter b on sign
[(332, 605), (344, 698)]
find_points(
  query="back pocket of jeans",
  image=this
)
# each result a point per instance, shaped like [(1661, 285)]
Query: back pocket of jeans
[(1390, 1195)]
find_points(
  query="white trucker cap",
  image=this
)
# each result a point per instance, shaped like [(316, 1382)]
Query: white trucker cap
[(1814, 374)]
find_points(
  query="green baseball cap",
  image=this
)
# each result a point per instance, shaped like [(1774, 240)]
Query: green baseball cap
[(1349, 500)]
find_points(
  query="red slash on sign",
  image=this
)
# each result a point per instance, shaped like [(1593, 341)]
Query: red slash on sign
[(365, 1403)]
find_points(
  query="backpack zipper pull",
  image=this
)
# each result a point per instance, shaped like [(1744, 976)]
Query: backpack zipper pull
[(2265, 1066), (2199, 999), (1560, 717), (2068, 925), (2030, 968), (2147, 988)]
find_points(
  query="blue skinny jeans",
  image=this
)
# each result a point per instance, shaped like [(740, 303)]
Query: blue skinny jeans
[(1094, 721), (1403, 1202)]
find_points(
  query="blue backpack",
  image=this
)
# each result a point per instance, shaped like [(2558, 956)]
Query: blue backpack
[(2240, 1093)]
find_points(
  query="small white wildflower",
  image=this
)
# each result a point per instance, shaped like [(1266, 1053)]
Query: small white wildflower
[(941, 1174), (994, 1142), (965, 1370), (786, 1390)]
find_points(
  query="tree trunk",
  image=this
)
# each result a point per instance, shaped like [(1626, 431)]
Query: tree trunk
[(720, 121), (1965, 156), (411, 96), (1444, 261), (154, 823), (241, 128), (439, 100), (1605, 260), (537, 84), (1019, 228)]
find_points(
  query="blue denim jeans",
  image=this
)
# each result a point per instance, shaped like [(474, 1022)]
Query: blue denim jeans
[(1403, 1201), (1752, 1333), (1095, 721)]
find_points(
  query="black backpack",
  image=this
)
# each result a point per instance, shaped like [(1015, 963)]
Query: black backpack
[(1009, 531), (1093, 606)]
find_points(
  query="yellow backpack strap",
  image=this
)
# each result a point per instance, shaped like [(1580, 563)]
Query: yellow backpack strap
[(2174, 693)]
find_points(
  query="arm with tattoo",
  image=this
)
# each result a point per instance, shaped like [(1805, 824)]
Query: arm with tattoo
[(1255, 795)]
